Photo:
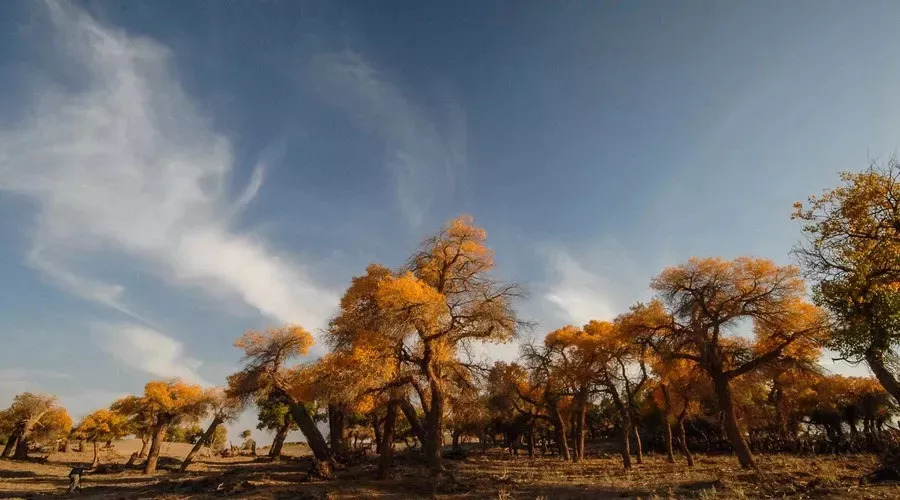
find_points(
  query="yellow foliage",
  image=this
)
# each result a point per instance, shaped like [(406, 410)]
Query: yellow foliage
[(801, 321), (454, 255), (290, 340), (102, 425), (709, 298), (174, 399), (412, 301)]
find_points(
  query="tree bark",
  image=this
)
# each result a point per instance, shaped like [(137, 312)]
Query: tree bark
[(22, 445), (200, 442), (875, 360), (386, 445), (682, 440), (626, 440), (639, 447), (625, 417), (21, 452), (531, 438), (409, 411), (670, 453), (11, 442), (560, 426), (376, 429), (730, 422), (579, 428), (24, 441), (434, 427), (780, 417), (145, 443), (336, 418), (280, 436), (159, 433), (667, 417), (309, 429), (96, 460)]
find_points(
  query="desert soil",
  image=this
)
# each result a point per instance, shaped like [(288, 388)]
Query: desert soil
[(489, 475)]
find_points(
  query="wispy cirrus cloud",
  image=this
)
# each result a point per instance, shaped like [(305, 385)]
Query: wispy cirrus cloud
[(578, 295), (147, 350), (425, 149), (598, 280), (125, 163)]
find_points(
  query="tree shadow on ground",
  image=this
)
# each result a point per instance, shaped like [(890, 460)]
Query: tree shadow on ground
[(10, 474)]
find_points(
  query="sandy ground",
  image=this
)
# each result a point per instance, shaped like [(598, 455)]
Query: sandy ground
[(123, 448), (48, 475), (490, 475)]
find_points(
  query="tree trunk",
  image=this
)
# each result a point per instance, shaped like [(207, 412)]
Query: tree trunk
[(21, 452), (670, 453), (96, 460), (200, 442), (682, 440), (780, 417), (309, 429), (730, 422), (280, 436), (875, 359), (376, 429), (145, 443), (336, 418), (579, 429), (434, 428), (667, 417), (560, 426), (625, 417), (531, 438), (278, 442), (11, 442), (639, 447), (22, 445), (386, 445), (626, 440), (412, 417), (159, 433)]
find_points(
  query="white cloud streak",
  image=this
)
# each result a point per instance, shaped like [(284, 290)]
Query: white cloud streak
[(577, 294), (425, 155), (126, 164), (593, 280), (147, 350)]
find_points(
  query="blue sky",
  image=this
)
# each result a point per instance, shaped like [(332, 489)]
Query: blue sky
[(173, 173)]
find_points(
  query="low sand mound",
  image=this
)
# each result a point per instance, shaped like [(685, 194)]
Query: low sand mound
[(289, 450), (126, 447), (122, 449)]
